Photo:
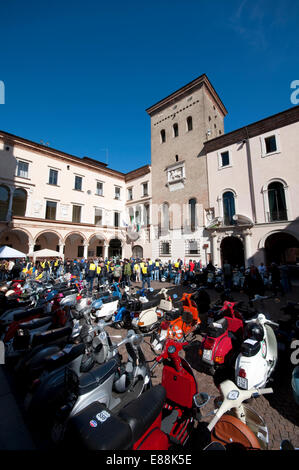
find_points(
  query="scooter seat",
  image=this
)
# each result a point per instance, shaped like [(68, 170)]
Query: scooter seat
[(174, 314), (150, 304), (35, 323), (110, 298), (216, 331), (97, 376), (63, 357), (28, 313), (68, 291), (97, 428), (141, 413), (49, 336)]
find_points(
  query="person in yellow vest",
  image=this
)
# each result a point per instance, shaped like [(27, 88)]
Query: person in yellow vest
[(145, 275), (98, 273), (90, 274), (157, 269)]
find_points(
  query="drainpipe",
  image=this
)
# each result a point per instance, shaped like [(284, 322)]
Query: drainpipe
[(250, 175)]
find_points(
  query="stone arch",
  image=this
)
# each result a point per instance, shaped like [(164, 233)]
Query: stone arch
[(11, 237), (45, 231), (74, 243), (96, 243), (75, 232), (281, 247), (261, 243)]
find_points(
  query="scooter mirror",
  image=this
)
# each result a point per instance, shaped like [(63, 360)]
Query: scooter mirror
[(151, 289), (201, 399), (175, 296), (193, 286)]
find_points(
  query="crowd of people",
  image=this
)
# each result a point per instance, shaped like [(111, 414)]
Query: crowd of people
[(255, 279)]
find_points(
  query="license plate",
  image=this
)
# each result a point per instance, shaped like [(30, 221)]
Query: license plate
[(242, 383), (207, 354)]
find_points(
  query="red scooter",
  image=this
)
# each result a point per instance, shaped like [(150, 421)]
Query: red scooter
[(161, 418), (220, 343)]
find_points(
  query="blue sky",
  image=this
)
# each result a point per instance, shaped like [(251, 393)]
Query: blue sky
[(80, 74)]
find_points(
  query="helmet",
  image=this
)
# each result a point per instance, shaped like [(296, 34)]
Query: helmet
[(255, 331)]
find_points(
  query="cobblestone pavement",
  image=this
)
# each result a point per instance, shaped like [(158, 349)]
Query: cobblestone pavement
[(279, 409)]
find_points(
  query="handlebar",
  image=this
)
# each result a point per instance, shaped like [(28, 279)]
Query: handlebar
[(233, 398), (132, 338), (262, 320)]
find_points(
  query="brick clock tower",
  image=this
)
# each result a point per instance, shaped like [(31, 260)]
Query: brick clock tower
[(180, 124)]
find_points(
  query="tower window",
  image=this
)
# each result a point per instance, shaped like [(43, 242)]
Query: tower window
[(175, 130), (189, 123), (163, 136)]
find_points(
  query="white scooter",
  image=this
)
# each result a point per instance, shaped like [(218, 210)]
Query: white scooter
[(236, 423), (103, 311), (150, 318), (258, 356)]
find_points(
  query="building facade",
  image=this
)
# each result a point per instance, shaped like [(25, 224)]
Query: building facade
[(76, 206), (206, 196), (254, 192)]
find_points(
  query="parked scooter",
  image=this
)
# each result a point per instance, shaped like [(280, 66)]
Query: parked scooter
[(221, 343), (178, 327), (237, 424), (162, 418), (129, 307), (113, 384), (153, 311), (257, 360), (98, 349)]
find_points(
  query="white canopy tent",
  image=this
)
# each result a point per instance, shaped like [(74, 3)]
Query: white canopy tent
[(45, 253), (8, 252)]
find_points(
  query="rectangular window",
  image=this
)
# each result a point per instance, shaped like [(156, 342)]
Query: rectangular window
[(22, 169), (116, 219), (76, 217), (51, 210), (130, 194), (99, 190), (192, 247), (53, 177), (98, 218), (164, 248), (117, 192), (145, 189), (224, 158), (78, 183), (270, 144)]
